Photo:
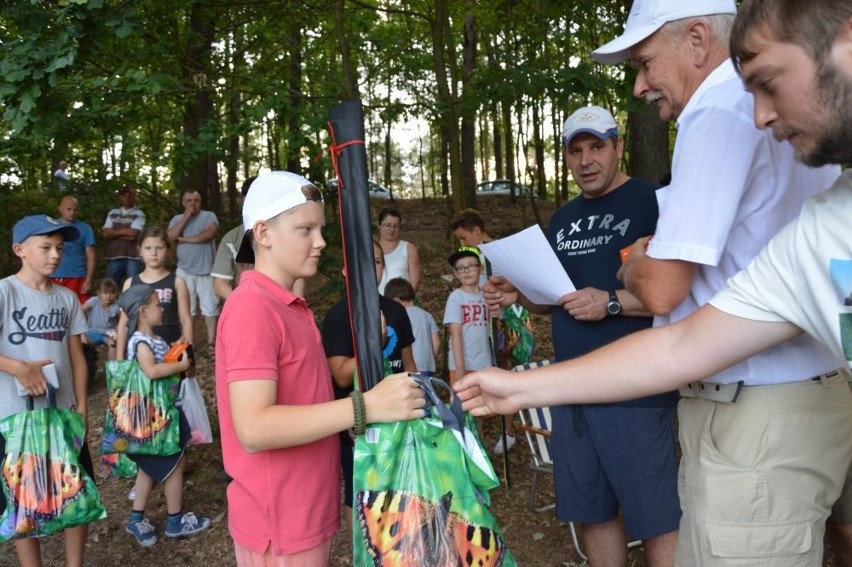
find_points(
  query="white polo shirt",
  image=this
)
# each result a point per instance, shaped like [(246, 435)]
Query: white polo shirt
[(733, 188)]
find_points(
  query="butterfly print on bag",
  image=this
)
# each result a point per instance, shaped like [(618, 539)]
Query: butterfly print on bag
[(404, 529)]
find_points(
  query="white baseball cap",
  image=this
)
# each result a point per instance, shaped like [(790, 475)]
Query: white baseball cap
[(647, 16), (590, 120), (270, 194)]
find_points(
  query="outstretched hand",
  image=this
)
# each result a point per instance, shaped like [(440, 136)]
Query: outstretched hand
[(489, 391), (395, 398)]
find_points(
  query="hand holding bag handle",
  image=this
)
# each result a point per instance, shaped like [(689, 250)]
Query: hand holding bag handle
[(50, 397), (451, 416)]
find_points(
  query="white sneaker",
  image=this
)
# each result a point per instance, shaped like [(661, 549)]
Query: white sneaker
[(510, 442)]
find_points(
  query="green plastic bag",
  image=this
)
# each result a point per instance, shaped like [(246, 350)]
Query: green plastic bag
[(518, 337), (421, 492), (141, 417), (46, 489), (117, 465)]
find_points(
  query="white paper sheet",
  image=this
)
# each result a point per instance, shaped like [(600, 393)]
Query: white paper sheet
[(527, 260)]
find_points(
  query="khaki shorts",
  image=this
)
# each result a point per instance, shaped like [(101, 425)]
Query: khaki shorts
[(758, 477), (841, 512)]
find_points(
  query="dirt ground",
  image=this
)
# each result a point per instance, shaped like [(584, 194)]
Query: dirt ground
[(535, 538)]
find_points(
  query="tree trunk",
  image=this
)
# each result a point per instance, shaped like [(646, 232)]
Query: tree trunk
[(233, 160), (388, 147), (294, 110), (449, 117), (468, 118), (538, 144), (201, 174), (494, 116), (497, 137), (386, 174), (350, 76), (483, 146), (509, 143), (647, 142), (444, 162), (560, 191)]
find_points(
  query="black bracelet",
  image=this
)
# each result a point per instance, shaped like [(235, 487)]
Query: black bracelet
[(360, 412)]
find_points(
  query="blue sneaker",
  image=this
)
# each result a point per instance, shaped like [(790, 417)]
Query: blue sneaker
[(186, 525), (143, 531)]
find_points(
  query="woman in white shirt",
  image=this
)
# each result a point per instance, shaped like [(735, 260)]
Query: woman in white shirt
[(402, 259)]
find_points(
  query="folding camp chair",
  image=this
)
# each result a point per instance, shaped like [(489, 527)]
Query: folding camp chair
[(537, 425)]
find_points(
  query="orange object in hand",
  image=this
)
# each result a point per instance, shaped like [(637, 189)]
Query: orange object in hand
[(173, 355), (625, 252)]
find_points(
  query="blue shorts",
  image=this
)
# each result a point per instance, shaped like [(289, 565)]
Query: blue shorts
[(609, 458), (97, 337)]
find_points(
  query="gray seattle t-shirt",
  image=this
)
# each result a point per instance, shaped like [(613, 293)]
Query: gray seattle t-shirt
[(36, 325)]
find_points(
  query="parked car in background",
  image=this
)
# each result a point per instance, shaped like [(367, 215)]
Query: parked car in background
[(503, 187), (376, 190)]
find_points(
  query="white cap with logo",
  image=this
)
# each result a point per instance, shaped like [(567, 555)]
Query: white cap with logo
[(590, 120), (647, 16)]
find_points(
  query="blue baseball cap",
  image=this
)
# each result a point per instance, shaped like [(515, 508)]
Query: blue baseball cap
[(35, 225)]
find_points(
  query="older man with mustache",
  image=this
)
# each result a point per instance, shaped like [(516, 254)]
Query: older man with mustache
[(766, 442), (733, 187)]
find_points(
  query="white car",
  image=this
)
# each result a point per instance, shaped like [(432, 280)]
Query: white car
[(503, 187), (376, 191)]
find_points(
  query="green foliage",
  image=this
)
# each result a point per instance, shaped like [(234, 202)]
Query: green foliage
[(155, 92)]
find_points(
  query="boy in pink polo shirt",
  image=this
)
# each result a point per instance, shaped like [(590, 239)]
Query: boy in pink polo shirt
[(278, 417)]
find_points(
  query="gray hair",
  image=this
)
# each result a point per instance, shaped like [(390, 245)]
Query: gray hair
[(719, 24)]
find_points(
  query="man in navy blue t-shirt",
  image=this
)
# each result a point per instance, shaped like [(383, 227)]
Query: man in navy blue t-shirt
[(614, 464)]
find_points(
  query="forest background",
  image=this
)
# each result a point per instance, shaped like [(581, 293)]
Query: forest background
[(201, 94)]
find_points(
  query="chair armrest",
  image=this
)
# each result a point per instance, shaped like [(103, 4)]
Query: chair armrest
[(531, 429)]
